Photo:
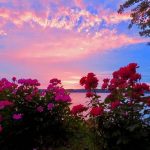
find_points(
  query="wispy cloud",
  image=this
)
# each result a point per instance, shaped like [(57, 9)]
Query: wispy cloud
[(2, 33), (64, 45), (66, 18)]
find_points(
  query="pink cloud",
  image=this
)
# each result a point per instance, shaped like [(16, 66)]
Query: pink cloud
[(19, 18), (47, 54), (2, 33), (45, 45), (115, 18), (79, 3)]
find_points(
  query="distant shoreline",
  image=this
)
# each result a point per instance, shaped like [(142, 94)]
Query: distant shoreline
[(97, 90), (84, 91)]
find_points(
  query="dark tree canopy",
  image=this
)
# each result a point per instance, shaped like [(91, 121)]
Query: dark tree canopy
[(140, 15)]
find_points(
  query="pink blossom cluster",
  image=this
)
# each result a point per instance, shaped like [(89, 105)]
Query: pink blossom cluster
[(17, 116), (97, 111), (25, 96), (62, 96), (55, 81), (50, 106), (59, 92), (89, 82), (115, 104), (40, 109), (5, 103), (6, 85), (29, 82), (78, 109), (125, 89)]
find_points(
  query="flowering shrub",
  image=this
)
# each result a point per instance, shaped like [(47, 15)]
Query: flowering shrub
[(96, 111), (29, 117), (89, 82), (122, 120), (78, 109)]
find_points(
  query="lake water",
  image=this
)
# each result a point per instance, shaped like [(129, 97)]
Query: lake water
[(79, 98)]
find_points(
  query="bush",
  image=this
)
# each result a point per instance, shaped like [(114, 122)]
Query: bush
[(32, 118), (122, 121)]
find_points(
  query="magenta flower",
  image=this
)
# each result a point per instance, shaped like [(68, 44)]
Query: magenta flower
[(52, 88), (40, 108), (66, 98), (13, 79), (29, 82), (50, 106), (60, 91), (4, 103), (28, 97), (115, 104), (62, 98), (55, 81), (43, 93), (1, 128), (17, 116)]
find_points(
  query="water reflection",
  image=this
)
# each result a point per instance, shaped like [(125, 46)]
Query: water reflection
[(79, 98)]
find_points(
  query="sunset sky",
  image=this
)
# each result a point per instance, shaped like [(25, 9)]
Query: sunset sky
[(66, 39)]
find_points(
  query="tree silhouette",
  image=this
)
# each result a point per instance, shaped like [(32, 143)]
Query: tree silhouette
[(140, 15)]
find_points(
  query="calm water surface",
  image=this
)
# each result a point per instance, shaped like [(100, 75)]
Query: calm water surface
[(79, 98)]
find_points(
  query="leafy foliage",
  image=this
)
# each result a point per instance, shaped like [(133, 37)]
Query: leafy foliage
[(122, 121), (32, 118), (140, 15)]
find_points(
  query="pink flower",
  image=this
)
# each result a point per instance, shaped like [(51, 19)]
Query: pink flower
[(29, 82), (6, 85), (145, 87), (61, 95), (35, 92), (104, 85), (50, 106), (135, 77), (148, 101), (28, 97), (78, 109), (114, 104), (52, 88), (43, 93), (66, 98), (55, 81), (1, 128), (89, 82), (89, 94), (40, 109), (62, 98), (4, 103), (13, 79), (17, 116), (106, 80), (97, 111), (82, 81), (60, 91)]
